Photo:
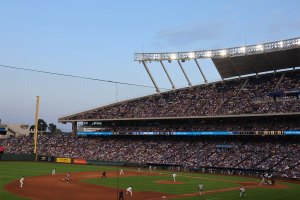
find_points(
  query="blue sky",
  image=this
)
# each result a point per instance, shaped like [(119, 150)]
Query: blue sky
[(98, 39)]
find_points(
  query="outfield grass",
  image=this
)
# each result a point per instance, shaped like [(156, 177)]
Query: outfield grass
[(10, 171)]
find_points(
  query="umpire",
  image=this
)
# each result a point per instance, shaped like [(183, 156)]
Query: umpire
[(121, 195)]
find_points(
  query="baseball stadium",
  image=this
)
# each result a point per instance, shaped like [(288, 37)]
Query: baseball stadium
[(237, 138)]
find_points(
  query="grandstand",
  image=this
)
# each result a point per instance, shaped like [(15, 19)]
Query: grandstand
[(216, 127), (259, 91), (257, 96)]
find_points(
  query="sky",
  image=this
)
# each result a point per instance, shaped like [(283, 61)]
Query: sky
[(98, 39)]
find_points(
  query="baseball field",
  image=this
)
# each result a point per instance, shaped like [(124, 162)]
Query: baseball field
[(86, 183)]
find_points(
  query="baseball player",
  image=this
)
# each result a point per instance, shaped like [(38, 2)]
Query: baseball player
[(262, 180), (53, 172), (121, 172), (129, 190), (139, 170), (121, 195), (22, 181), (242, 192), (200, 188), (270, 176), (103, 175), (270, 179), (68, 177), (174, 177)]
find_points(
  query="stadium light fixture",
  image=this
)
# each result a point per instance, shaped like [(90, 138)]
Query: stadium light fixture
[(242, 49), (219, 53), (223, 52), (173, 56), (259, 47), (208, 54), (191, 55)]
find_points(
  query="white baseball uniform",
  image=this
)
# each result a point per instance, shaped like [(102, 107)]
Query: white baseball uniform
[(174, 177), (262, 180), (21, 182), (242, 192), (200, 187), (129, 190)]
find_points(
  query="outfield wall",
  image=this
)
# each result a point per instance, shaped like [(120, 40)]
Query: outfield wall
[(18, 157), (63, 160)]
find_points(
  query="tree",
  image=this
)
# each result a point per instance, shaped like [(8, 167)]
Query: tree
[(42, 125), (58, 131), (32, 127), (52, 128)]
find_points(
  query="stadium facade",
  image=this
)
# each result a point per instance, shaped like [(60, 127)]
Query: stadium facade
[(258, 94)]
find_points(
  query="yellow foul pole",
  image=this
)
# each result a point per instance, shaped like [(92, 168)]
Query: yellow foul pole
[(36, 125)]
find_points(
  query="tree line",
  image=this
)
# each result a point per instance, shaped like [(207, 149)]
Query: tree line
[(43, 127)]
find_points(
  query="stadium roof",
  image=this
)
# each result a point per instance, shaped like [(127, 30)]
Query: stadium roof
[(233, 62), (255, 63)]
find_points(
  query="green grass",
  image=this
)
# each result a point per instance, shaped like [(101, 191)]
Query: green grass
[(10, 171), (291, 193), (148, 183)]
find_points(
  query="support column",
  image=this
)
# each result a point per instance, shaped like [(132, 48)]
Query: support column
[(74, 128), (162, 64), (150, 75), (198, 65), (183, 71)]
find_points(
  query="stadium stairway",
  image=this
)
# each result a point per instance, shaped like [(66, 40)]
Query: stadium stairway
[(279, 81)]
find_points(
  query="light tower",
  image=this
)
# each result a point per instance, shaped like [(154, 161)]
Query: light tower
[(231, 62)]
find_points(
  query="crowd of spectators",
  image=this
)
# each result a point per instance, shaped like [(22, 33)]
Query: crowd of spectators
[(238, 127), (281, 156), (230, 97)]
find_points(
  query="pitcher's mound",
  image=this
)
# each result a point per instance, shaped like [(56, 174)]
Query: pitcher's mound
[(169, 182)]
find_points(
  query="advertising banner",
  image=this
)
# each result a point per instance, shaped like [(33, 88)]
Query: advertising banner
[(63, 160), (79, 161), (186, 133), (94, 133), (92, 129), (292, 132), (46, 158)]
